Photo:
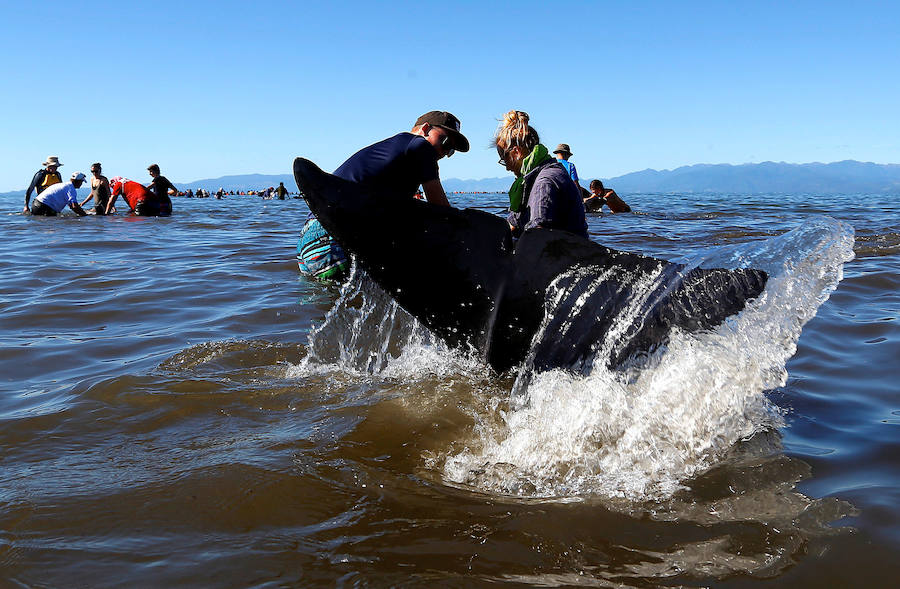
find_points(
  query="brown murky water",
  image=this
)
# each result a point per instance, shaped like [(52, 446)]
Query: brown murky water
[(166, 420)]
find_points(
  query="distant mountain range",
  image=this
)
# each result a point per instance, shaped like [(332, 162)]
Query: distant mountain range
[(847, 177)]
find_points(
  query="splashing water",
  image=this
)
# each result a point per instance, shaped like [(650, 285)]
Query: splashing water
[(639, 433), (367, 333)]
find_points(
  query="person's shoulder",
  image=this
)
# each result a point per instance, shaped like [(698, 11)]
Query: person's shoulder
[(554, 169), (412, 140), (420, 146), (548, 175)]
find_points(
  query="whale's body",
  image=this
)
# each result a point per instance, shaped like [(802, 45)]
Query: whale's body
[(459, 273)]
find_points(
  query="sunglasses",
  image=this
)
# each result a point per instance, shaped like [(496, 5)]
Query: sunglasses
[(445, 143)]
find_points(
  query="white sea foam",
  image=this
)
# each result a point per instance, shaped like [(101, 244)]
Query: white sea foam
[(636, 433), (641, 433), (367, 333)]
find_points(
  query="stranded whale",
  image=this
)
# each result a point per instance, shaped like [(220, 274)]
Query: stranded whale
[(460, 274)]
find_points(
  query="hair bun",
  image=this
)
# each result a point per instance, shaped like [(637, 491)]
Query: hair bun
[(515, 130), (516, 119)]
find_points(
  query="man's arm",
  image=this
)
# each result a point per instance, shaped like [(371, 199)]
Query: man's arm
[(35, 180), (434, 192), (77, 208)]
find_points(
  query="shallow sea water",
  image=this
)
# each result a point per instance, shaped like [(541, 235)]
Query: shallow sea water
[(180, 408)]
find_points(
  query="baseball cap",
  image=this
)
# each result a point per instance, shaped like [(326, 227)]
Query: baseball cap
[(447, 122)]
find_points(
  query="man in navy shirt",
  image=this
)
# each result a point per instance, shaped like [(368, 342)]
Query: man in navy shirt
[(398, 165), (392, 168)]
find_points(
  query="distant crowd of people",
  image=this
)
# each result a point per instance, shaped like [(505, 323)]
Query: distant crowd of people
[(272, 192), (52, 195)]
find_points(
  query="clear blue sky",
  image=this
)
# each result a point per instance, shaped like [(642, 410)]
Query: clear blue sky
[(214, 88)]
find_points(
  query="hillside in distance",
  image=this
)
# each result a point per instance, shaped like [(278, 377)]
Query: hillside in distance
[(846, 177)]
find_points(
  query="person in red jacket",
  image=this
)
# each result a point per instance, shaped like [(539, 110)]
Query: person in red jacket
[(140, 199)]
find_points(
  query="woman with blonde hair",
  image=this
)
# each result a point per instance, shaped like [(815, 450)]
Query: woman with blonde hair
[(543, 194)]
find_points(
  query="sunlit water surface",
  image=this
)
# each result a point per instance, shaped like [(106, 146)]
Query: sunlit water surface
[(179, 407)]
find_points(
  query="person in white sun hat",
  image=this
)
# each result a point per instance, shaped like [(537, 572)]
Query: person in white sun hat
[(44, 178)]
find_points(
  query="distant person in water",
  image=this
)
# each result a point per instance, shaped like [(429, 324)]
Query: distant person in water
[(604, 196), (51, 201), (99, 190), (160, 186), (141, 200), (563, 153), (44, 178), (543, 194), (281, 191), (392, 168)]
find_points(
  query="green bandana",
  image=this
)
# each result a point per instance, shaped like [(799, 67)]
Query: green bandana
[(539, 155)]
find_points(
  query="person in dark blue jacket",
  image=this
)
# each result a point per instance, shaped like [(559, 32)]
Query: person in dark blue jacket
[(543, 194)]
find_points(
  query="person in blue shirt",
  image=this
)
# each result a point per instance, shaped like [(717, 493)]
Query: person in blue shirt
[(563, 153), (392, 168)]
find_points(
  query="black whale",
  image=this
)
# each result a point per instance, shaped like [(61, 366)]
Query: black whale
[(458, 272)]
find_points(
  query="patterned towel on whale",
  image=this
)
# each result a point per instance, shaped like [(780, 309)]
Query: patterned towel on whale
[(318, 254)]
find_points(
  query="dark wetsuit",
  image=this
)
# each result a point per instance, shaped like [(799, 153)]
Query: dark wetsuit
[(160, 187)]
